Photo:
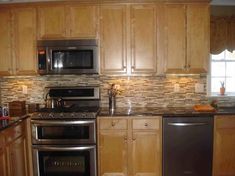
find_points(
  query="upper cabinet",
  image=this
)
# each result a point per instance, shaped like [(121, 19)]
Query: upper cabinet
[(113, 22), (5, 43), (51, 21), (83, 21), (24, 40), (187, 38), (67, 21), (143, 39), (128, 39)]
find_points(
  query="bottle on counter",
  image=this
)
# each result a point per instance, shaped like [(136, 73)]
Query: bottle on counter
[(5, 111)]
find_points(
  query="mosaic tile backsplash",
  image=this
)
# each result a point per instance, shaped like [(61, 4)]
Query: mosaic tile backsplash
[(137, 91)]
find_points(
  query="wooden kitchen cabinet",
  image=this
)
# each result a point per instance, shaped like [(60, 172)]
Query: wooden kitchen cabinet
[(5, 42), (113, 22), (129, 146), (67, 21), (128, 39), (51, 22), (3, 168), (224, 142), (187, 38), (17, 157), (83, 21), (143, 39), (13, 151), (24, 41)]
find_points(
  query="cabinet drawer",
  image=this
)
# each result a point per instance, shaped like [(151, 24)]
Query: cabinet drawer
[(146, 124), (113, 123), (14, 132)]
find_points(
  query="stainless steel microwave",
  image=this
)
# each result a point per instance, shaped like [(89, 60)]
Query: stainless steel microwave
[(67, 56)]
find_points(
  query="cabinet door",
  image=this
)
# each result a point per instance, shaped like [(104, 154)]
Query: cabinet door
[(25, 40), (146, 153), (51, 21), (176, 38), (143, 39), (17, 157), (112, 152), (3, 169), (224, 142), (113, 39), (83, 21), (198, 37), (5, 43)]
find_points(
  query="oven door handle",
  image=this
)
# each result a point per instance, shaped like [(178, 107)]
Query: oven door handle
[(62, 148), (77, 122)]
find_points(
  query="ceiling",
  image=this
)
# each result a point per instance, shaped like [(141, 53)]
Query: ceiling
[(213, 2)]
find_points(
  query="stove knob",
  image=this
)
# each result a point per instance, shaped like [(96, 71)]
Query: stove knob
[(51, 115), (72, 115), (83, 115), (40, 115), (61, 115)]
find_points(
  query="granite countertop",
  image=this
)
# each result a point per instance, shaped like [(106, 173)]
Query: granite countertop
[(158, 111), (13, 120)]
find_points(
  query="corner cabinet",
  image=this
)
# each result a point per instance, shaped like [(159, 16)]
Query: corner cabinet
[(5, 43), (224, 142), (128, 39), (67, 21), (129, 146), (187, 38)]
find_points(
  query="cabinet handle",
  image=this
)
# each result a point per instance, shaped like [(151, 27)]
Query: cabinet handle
[(189, 66), (146, 124), (113, 124), (133, 138)]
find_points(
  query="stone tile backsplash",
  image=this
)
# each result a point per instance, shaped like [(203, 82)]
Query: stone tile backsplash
[(137, 91)]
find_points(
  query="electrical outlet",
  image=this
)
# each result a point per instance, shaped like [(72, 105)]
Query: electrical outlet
[(199, 88), (24, 89), (176, 87)]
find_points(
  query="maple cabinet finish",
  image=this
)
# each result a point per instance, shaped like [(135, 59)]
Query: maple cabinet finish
[(127, 45), (129, 146), (5, 42), (143, 39), (67, 21), (224, 142), (187, 36), (83, 21), (13, 151), (113, 22), (24, 40), (51, 21)]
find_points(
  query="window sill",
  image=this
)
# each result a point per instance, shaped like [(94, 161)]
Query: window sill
[(217, 95)]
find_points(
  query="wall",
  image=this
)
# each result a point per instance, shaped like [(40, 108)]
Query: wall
[(137, 91)]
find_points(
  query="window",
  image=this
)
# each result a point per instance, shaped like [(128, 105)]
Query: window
[(223, 70)]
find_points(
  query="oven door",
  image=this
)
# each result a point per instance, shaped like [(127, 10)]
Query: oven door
[(64, 160), (63, 132), (79, 59)]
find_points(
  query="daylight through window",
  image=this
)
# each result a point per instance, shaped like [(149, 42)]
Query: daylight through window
[(223, 70)]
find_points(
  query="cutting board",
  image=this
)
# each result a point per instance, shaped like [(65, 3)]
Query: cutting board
[(204, 108)]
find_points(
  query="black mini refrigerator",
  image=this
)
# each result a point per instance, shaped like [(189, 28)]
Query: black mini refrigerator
[(187, 146)]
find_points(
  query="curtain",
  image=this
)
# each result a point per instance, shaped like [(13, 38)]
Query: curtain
[(222, 34)]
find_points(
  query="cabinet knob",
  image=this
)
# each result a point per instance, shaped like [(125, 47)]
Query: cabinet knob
[(125, 138), (113, 124), (146, 124), (189, 66), (133, 138)]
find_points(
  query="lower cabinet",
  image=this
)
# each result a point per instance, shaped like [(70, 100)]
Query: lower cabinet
[(129, 146), (13, 151), (224, 146)]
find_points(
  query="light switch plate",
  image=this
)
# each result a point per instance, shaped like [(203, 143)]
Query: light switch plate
[(199, 88), (176, 88)]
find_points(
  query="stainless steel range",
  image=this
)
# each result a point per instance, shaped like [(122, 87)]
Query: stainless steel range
[(64, 135)]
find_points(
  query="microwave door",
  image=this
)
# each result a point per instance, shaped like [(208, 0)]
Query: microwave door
[(73, 60)]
